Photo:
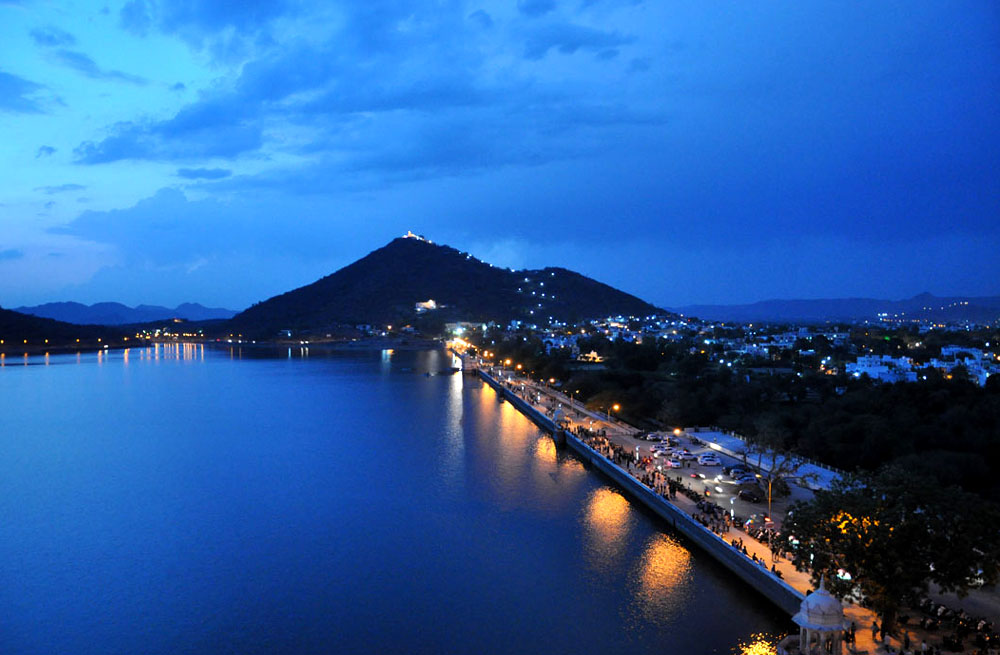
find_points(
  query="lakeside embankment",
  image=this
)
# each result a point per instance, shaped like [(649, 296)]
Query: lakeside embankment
[(760, 578)]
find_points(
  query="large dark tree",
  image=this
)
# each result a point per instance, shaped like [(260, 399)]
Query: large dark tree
[(894, 534)]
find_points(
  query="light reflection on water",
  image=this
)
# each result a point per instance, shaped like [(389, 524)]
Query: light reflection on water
[(664, 572), (760, 643), (607, 519)]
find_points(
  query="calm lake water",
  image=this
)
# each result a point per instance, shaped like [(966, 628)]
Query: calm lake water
[(188, 500)]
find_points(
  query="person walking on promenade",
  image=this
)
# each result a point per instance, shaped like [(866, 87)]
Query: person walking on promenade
[(874, 631), (854, 629)]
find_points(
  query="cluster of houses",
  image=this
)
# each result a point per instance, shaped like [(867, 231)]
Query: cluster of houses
[(750, 345), (978, 364)]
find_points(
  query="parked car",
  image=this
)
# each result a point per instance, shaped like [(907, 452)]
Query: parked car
[(673, 463), (685, 455), (747, 479), (709, 460), (735, 470), (749, 495)]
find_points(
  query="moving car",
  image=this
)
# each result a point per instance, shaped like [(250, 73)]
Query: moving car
[(749, 495), (709, 459)]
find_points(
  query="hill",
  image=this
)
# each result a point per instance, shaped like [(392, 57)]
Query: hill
[(113, 313), (384, 287), (16, 327), (922, 307)]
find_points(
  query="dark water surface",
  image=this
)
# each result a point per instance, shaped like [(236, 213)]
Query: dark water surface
[(184, 500)]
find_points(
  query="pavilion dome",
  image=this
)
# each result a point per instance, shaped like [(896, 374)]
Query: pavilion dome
[(820, 611)]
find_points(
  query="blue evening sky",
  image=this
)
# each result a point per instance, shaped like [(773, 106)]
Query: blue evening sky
[(164, 151)]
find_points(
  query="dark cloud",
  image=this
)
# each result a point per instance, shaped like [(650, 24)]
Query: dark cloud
[(44, 151), (535, 8), (224, 27), (19, 95), (483, 19), (183, 137), (52, 37), (11, 253), (639, 64), (203, 173), (60, 188), (84, 65), (179, 86), (568, 38), (134, 17)]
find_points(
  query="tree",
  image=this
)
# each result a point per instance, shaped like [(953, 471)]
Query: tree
[(893, 534), (768, 443)]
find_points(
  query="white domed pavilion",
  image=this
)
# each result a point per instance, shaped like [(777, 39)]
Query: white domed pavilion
[(821, 622)]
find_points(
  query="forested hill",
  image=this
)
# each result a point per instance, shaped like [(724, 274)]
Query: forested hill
[(384, 287), (16, 327)]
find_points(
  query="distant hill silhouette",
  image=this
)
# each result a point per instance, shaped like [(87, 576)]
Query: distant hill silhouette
[(15, 327), (923, 306), (113, 313), (384, 286)]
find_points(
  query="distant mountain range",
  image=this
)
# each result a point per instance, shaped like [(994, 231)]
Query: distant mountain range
[(924, 306), (113, 313), (385, 286)]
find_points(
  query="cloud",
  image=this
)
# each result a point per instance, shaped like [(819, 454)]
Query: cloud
[(61, 188), (179, 86), (11, 253), (203, 173), (228, 30), (535, 8), (86, 66), (483, 19), (568, 38), (44, 151), (193, 135), (134, 17), (639, 65), (52, 37), (384, 67), (18, 94)]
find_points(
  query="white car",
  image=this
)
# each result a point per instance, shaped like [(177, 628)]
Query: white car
[(685, 455), (673, 464), (709, 460)]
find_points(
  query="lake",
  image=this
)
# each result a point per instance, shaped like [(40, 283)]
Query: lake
[(183, 499)]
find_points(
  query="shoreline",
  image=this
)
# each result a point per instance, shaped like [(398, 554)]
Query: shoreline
[(777, 591)]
